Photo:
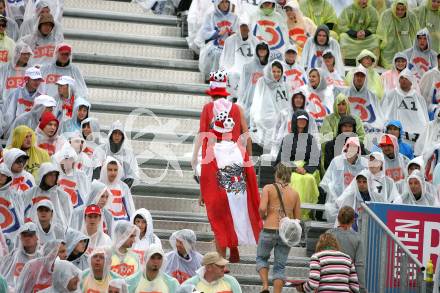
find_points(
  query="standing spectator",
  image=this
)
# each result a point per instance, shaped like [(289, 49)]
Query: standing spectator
[(330, 269), (7, 45), (350, 242), (47, 134), (272, 210), (93, 228), (211, 277)]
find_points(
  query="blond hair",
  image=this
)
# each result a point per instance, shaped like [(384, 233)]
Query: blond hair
[(283, 173), (327, 242)]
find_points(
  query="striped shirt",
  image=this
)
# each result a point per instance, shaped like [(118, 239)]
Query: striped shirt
[(331, 271)]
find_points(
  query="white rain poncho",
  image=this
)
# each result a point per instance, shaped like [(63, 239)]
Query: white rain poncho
[(63, 272), (97, 239), (60, 199), (122, 205), (430, 88), (73, 181), (15, 10), (271, 29), (88, 280), (390, 78), (64, 109), (72, 238), (215, 22), (51, 144), (430, 136), (235, 54), (33, 11), (333, 78), (340, 173), (249, 76), (364, 104), (119, 284), (407, 107), (421, 61), (97, 189), (420, 162), (319, 100), (395, 167), (4, 250), (300, 27), (313, 52), (294, 73), (43, 46), (408, 197), (122, 153), (53, 71), (83, 162), (55, 230), (11, 208), (21, 181), (183, 267), (73, 125), (11, 75), (93, 141), (12, 265), (196, 13), (142, 244), (270, 98), (128, 264), (12, 29), (7, 47), (37, 273)]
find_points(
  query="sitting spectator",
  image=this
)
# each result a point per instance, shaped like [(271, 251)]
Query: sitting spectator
[(390, 78), (93, 228), (418, 164), (427, 14), (65, 278), (77, 243), (15, 160), (294, 73), (47, 188), (429, 137), (23, 138), (122, 206), (34, 12), (357, 24), (7, 45), (301, 151), (381, 184), (392, 23), (330, 269), (321, 12), (118, 286), (299, 26), (430, 87), (83, 162), (48, 230), (350, 242), (43, 40), (47, 134), (421, 56), (314, 48), (98, 276), (91, 133), (153, 278), (117, 146), (65, 98), (416, 192), (125, 262), (61, 65), (218, 26), (395, 128), (21, 99), (73, 181), (26, 248), (279, 200), (332, 76), (143, 220), (183, 261), (368, 60), (211, 276), (249, 77), (12, 29), (395, 163), (81, 111)]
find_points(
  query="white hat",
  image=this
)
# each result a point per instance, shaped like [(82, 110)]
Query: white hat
[(63, 80), (33, 73), (45, 100), (302, 117), (152, 250)]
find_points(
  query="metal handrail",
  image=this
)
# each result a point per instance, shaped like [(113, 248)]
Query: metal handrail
[(392, 236)]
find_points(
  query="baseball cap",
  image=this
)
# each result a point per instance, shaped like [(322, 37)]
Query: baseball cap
[(214, 258), (152, 250), (44, 203), (385, 140), (28, 228), (33, 73), (63, 80), (45, 100), (302, 117), (64, 48), (92, 209)]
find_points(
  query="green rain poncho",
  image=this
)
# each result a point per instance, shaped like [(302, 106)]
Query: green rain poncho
[(396, 34), (320, 12), (430, 19), (373, 78), (354, 19)]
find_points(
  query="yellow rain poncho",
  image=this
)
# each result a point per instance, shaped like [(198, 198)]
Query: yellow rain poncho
[(396, 34), (7, 47), (430, 19), (320, 12), (37, 156), (373, 78), (352, 20)]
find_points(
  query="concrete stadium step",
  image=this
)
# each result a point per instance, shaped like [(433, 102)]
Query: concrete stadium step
[(174, 226), (140, 73), (168, 177), (127, 49), (116, 6), (165, 204), (112, 26), (160, 148)]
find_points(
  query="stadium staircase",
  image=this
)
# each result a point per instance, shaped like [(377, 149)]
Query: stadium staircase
[(133, 60)]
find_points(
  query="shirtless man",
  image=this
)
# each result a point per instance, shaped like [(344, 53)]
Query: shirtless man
[(271, 212)]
